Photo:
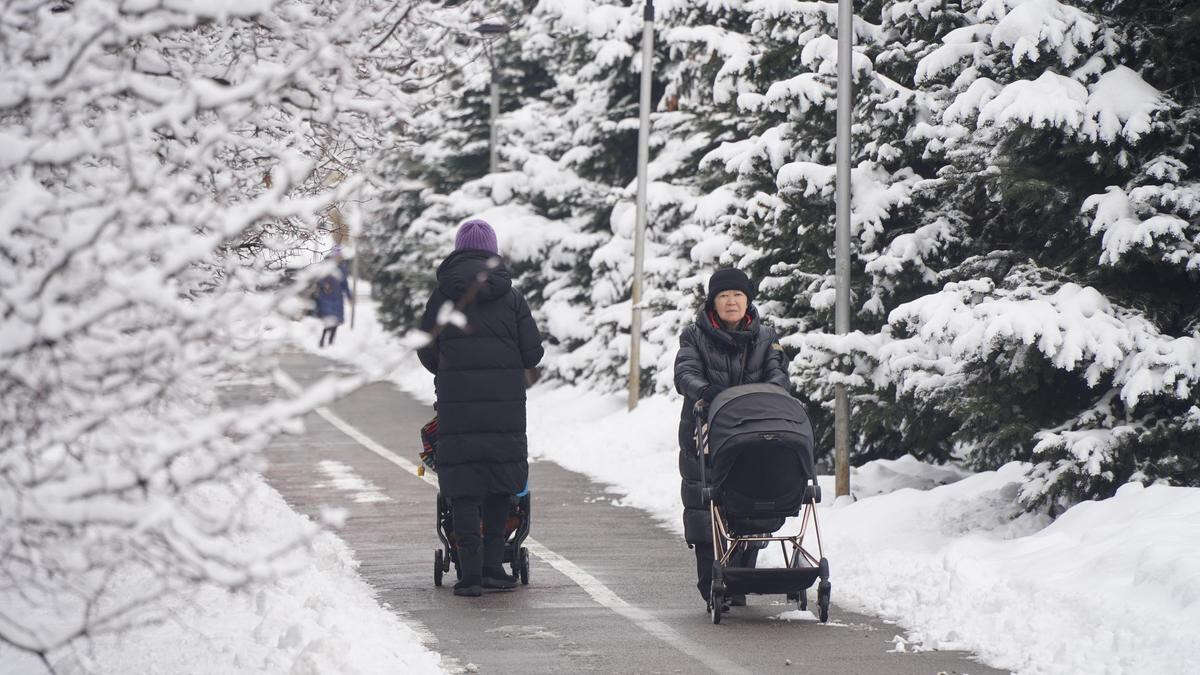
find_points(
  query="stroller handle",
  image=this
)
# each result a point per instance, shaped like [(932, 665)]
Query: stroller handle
[(700, 434)]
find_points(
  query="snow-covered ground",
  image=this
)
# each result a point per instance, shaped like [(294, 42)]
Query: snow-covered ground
[(322, 619), (1110, 586)]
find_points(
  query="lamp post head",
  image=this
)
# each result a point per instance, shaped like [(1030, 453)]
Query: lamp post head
[(492, 27)]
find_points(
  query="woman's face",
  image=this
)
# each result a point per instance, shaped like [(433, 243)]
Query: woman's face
[(730, 306)]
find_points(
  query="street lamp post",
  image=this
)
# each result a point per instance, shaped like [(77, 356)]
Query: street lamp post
[(639, 236), (492, 30), (493, 112), (845, 98)]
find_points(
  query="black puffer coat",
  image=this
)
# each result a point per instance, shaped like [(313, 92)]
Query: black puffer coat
[(480, 376), (709, 355)]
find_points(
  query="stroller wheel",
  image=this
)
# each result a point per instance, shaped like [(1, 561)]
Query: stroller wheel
[(823, 593), (524, 571), (437, 567), (716, 600)]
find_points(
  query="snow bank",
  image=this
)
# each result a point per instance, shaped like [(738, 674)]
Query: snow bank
[(323, 619), (1113, 582)]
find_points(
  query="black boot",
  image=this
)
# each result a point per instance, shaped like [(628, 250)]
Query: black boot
[(494, 512), (470, 586), (495, 578), (465, 513)]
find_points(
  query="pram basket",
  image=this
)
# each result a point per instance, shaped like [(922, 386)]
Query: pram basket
[(756, 446)]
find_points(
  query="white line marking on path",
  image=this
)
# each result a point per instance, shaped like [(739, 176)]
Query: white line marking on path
[(600, 593)]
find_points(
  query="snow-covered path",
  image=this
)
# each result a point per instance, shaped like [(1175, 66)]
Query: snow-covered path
[(555, 624)]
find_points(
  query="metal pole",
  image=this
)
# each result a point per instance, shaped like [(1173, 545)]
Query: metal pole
[(845, 99), (635, 323), (354, 283), (495, 112)]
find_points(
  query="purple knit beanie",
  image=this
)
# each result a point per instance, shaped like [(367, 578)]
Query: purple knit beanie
[(476, 234)]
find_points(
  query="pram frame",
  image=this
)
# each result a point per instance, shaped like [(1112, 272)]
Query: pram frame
[(725, 543), (515, 553)]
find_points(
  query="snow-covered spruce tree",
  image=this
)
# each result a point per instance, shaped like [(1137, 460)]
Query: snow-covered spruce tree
[(782, 170), (152, 156), (702, 55), (566, 151), (432, 153), (1004, 150), (586, 309), (434, 172), (563, 201), (583, 175), (586, 301), (1063, 162), (1143, 418)]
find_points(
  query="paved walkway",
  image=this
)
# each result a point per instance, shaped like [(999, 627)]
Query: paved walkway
[(610, 591)]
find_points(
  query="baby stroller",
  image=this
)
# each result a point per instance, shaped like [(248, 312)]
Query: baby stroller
[(757, 470), (516, 526)]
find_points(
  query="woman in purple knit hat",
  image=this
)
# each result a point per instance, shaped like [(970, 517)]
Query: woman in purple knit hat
[(479, 377)]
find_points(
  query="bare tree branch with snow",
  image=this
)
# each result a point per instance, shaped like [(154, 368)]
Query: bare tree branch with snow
[(157, 159)]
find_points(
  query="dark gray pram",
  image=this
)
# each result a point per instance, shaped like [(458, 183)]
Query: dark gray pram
[(757, 470)]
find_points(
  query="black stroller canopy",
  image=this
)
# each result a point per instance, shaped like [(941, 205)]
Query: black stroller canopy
[(758, 472), (760, 444)]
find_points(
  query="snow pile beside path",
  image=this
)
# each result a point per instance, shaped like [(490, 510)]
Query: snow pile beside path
[(322, 619), (888, 475), (593, 434), (1115, 582)]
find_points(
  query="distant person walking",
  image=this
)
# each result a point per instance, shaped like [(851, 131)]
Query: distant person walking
[(479, 367), (726, 346), (331, 289)]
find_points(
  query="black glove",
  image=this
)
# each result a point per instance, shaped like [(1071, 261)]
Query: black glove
[(709, 392)]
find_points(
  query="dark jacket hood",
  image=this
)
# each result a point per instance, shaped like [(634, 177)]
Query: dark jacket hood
[(468, 268), (733, 340)]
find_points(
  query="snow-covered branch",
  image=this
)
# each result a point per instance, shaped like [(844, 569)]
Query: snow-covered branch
[(157, 161)]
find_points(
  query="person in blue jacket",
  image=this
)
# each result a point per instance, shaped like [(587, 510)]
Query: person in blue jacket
[(331, 289)]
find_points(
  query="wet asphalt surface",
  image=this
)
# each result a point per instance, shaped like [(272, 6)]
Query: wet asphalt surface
[(554, 625)]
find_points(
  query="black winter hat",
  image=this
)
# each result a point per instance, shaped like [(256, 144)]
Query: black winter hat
[(730, 279)]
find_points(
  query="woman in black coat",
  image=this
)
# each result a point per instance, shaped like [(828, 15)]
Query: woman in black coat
[(726, 346), (479, 375)]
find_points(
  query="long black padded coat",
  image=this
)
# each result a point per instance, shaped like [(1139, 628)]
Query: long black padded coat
[(709, 355), (479, 375)]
